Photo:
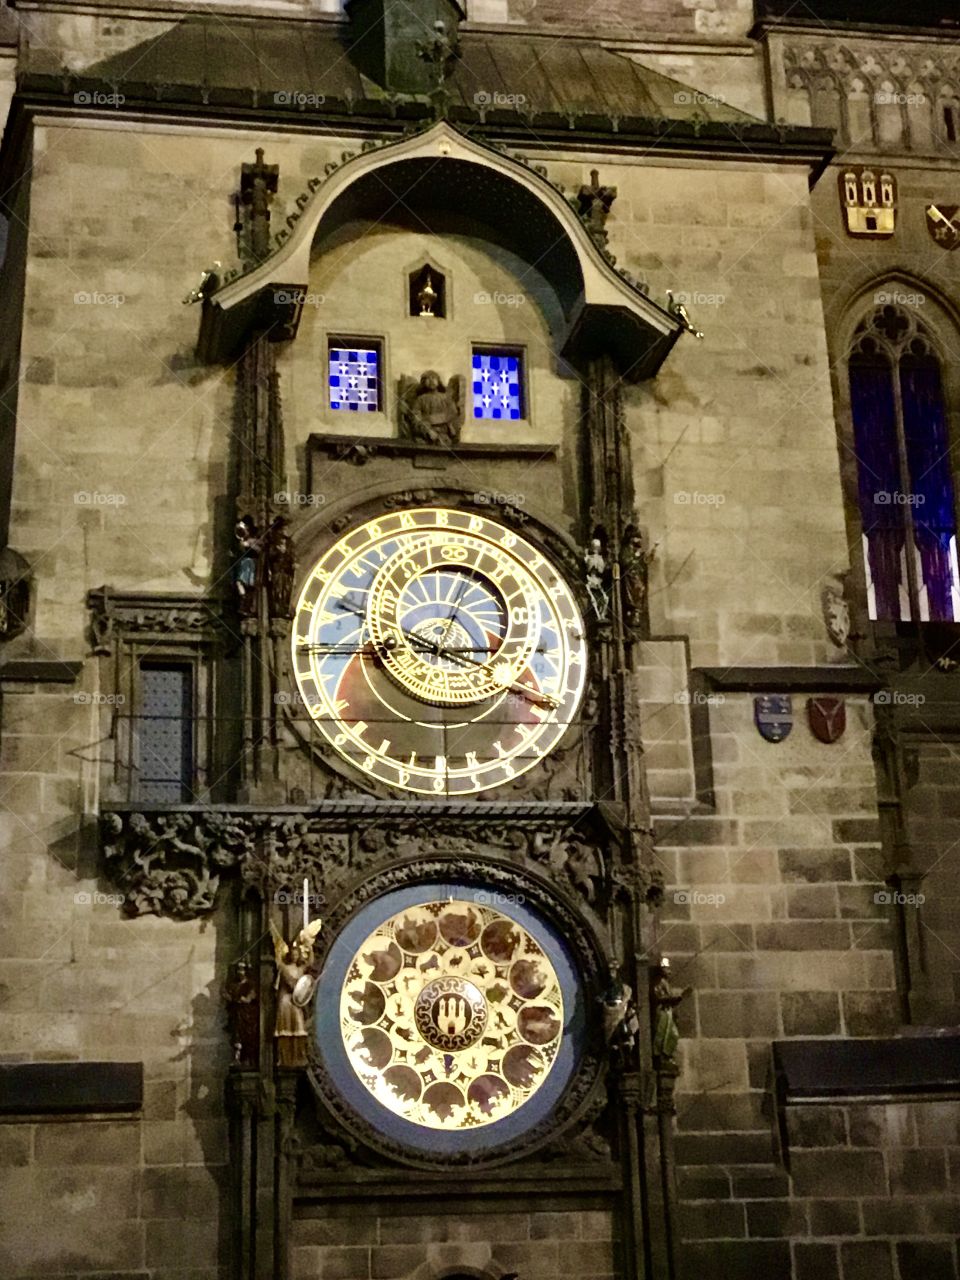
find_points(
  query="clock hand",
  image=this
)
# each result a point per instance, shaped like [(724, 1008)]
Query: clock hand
[(514, 686)]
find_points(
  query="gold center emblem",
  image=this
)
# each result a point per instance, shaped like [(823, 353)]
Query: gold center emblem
[(450, 1014)]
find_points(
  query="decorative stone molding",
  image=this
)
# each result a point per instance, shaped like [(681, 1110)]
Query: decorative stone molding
[(170, 861), (134, 612)]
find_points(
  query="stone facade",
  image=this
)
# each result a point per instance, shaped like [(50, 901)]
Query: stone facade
[(787, 868)]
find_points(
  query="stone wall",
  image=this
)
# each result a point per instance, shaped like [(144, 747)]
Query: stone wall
[(381, 1243), (869, 1192)]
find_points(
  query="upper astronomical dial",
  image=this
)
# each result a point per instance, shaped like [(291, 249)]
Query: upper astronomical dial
[(438, 651)]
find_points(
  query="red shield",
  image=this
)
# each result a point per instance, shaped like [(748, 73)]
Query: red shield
[(828, 718)]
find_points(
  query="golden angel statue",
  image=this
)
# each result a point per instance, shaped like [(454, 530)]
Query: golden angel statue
[(295, 986)]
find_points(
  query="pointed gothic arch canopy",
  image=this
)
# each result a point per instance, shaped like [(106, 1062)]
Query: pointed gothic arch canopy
[(444, 174)]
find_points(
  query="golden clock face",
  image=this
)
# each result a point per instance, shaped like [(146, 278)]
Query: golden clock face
[(438, 651), (451, 1014)]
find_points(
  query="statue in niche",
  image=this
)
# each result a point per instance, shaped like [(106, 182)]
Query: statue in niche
[(281, 568), (243, 1016), (666, 997), (634, 572), (596, 578), (431, 413), (246, 565), (295, 985)]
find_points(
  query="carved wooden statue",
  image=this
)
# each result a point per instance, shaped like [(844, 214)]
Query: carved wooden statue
[(666, 1034), (430, 412), (280, 567), (295, 987), (243, 1016)]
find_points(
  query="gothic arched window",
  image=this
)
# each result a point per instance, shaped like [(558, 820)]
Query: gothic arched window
[(905, 485)]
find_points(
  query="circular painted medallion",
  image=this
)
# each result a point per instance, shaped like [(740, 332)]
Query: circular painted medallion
[(451, 1014)]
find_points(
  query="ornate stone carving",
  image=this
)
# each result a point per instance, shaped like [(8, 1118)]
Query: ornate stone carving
[(170, 863), (836, 611), (113, 612), (594, 203), (431, 412)]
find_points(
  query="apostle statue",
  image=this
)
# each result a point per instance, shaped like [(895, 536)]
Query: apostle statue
[(666, 997)]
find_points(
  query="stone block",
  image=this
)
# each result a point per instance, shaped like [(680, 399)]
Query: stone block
[(811, 865), (804, 935), (856, 831), (938, 1123), (870, 1013), (816, 1262), (346, 1229), (810, 1013), (889, 1217), (760, 1183), (834, 1218), (177, 1192), (720, 1111), (725, 1148), (747, 1014), (711, 1220), (703, 1183), (554, 1226), (776, 1219), (917, 1172), (191, 1241), (812, 902), (858, 902), (16, 1145), (816, 1126), (735, 1259), (867, 1260), (925, 1260), (71, 1143), (836, 1172)]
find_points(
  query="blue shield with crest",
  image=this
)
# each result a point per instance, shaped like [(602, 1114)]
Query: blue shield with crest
[(773, 713)]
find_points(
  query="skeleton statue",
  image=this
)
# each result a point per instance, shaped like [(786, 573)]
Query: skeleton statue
[(596, 567), (429, 411), (295, 987)]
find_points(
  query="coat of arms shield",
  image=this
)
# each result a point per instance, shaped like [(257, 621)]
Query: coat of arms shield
[(773, 714), (943, 225), (827, 717)]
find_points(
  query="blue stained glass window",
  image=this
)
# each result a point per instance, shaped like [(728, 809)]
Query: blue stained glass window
[(355, 379), (497, 385)]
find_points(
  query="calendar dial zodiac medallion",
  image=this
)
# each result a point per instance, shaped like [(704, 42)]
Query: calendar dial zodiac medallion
[(438, 651)]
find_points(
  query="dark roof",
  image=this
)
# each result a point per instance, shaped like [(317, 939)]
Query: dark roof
[(535, 74)]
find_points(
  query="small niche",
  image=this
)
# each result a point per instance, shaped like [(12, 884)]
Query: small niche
[(428, 293)]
